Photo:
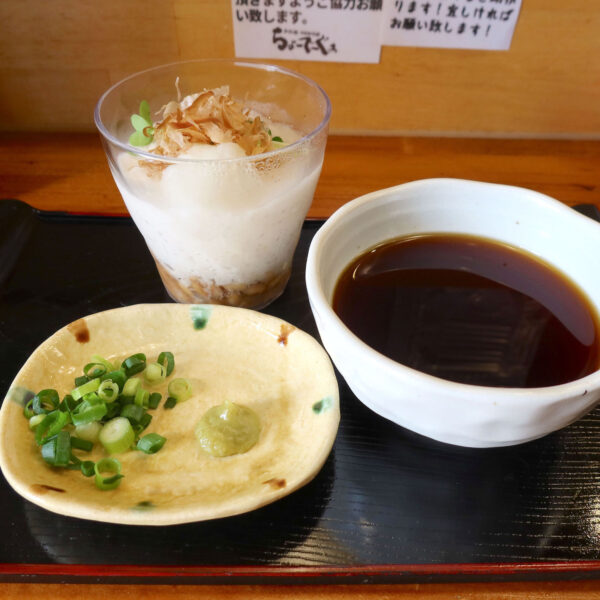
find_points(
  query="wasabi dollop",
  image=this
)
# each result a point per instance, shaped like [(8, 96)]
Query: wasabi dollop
[(228, 429)]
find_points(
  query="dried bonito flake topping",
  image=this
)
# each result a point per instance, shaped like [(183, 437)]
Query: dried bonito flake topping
[(210, 117)]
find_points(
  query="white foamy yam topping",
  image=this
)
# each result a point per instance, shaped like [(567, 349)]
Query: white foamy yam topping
[(217, 219)]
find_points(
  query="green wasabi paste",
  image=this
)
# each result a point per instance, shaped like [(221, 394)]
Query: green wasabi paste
[(228, 429)]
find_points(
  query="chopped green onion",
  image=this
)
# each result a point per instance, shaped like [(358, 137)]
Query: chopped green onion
[(151, 443), (108, 391), (86, 388), (81, 444), (117, 435), (133, 412), (155, 373), (74, 463), (154, 400), (50, 426), (89, 431), (87, 468), (93, 370), (57, 451), (102, 361), (105, 394), (117, 376), (141, 397), (92, 399), (80, 380), (180, 389), (68, 403), (113, 409), (131, 387), (28, 410), (277, 139), (136, 363), (144, 422), (170, 403), (88, 414), (63, 449), (166, 359), (45, 401), (49, 451), (111, 466), (35, 420)]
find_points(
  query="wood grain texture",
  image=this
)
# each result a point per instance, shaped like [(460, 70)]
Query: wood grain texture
[(588, 590), (67, 52), (69, 171)]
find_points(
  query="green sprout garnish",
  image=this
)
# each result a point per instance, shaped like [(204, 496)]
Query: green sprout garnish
[(276, 138), (142, 124)]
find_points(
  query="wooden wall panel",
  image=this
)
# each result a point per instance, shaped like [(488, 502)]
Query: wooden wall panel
[(57, 56)]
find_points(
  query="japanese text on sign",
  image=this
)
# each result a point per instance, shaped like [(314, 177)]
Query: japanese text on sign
[(471, 24), (322, 30)]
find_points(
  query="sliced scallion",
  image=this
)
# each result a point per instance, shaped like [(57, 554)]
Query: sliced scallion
[(87, 468), (110, 466), (113, 409), (63, 449), (28, 410), (117, 376), (131, 387), (49, 451), (93, 370), (57, 451), (170, 403), (74, 463), (81, 444), (88, 414), (68, 403), (35, 420), (155, 373), (102, 361), (136, 363), (51, 424), (87, 388), (108, 391), (92, 399), (144, 422), (180, 389), (133, 412), (117, 435), (167, 360), (154, 400), (88, 431), (141, 397), (80, 380), (151, 443), (45, 401)]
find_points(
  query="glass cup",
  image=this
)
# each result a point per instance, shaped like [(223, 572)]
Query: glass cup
[(222, 230)]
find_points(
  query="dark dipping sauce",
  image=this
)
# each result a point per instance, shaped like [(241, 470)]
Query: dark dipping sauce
[(470, 310)]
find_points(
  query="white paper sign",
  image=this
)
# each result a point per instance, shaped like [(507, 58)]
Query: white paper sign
[(322, 30), (470, 24)]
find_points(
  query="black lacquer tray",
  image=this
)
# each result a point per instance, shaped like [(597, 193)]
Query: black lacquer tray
[(388, 506)]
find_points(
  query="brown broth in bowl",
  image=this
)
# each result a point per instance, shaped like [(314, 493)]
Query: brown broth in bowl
[(470, 310)]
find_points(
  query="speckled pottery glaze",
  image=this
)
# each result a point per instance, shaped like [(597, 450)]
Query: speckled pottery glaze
[(455, 413), (256, 360)]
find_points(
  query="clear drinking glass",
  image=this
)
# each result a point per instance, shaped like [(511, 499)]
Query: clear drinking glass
[(221, 230)]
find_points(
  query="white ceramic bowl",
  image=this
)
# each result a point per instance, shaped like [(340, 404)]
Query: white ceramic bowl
[(455, 413)]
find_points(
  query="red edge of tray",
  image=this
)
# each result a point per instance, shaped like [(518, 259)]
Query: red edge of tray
[(300, 572)]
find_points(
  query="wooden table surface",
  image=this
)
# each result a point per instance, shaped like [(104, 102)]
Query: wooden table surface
[(68, 172)]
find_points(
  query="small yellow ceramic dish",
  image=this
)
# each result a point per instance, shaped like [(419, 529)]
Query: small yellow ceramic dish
[(228, 354)]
